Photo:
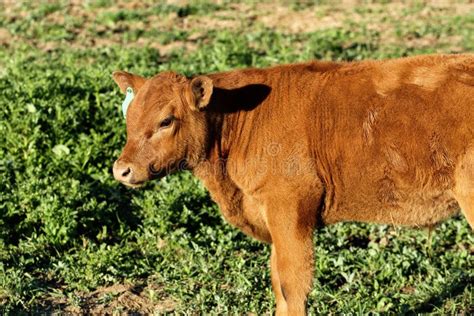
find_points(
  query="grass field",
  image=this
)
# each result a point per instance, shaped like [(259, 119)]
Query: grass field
[(74, 240)]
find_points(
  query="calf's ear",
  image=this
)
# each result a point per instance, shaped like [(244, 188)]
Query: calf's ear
[(200, 91), (125, 79)]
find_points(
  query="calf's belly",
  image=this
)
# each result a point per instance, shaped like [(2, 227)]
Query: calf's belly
[(420, 210), (416, 209)]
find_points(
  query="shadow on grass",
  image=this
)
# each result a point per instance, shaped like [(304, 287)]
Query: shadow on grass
[(119, 215), (452, 289)]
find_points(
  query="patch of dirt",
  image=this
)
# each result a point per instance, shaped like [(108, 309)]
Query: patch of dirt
[(118, 298), (408, 289), (281, 18), (5, 37), (166, 49)]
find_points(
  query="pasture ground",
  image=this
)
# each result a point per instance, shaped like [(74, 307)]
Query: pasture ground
[(73, 240)]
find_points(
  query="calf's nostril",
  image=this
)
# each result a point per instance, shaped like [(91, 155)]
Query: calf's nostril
[(126, 172)]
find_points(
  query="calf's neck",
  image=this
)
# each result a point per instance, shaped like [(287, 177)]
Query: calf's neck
[(286, 149)]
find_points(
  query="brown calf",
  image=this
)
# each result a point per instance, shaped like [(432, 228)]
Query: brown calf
[(287, 148)]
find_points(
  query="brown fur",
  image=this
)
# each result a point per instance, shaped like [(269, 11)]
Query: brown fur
[(287, 148)]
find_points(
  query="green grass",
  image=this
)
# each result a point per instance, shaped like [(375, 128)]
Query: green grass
[(67, 228)]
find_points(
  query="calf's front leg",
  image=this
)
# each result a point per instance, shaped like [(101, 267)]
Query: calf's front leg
[(279, 298), (291, 225)]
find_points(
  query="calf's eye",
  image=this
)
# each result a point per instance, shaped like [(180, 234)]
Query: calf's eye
[(167, 121)]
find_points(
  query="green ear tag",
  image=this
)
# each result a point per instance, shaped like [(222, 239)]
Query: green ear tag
[(127, 101)]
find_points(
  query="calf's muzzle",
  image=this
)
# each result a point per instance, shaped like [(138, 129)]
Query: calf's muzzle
[(123, 172)]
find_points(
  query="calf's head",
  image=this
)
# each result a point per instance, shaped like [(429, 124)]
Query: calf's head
[(166, 125)]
